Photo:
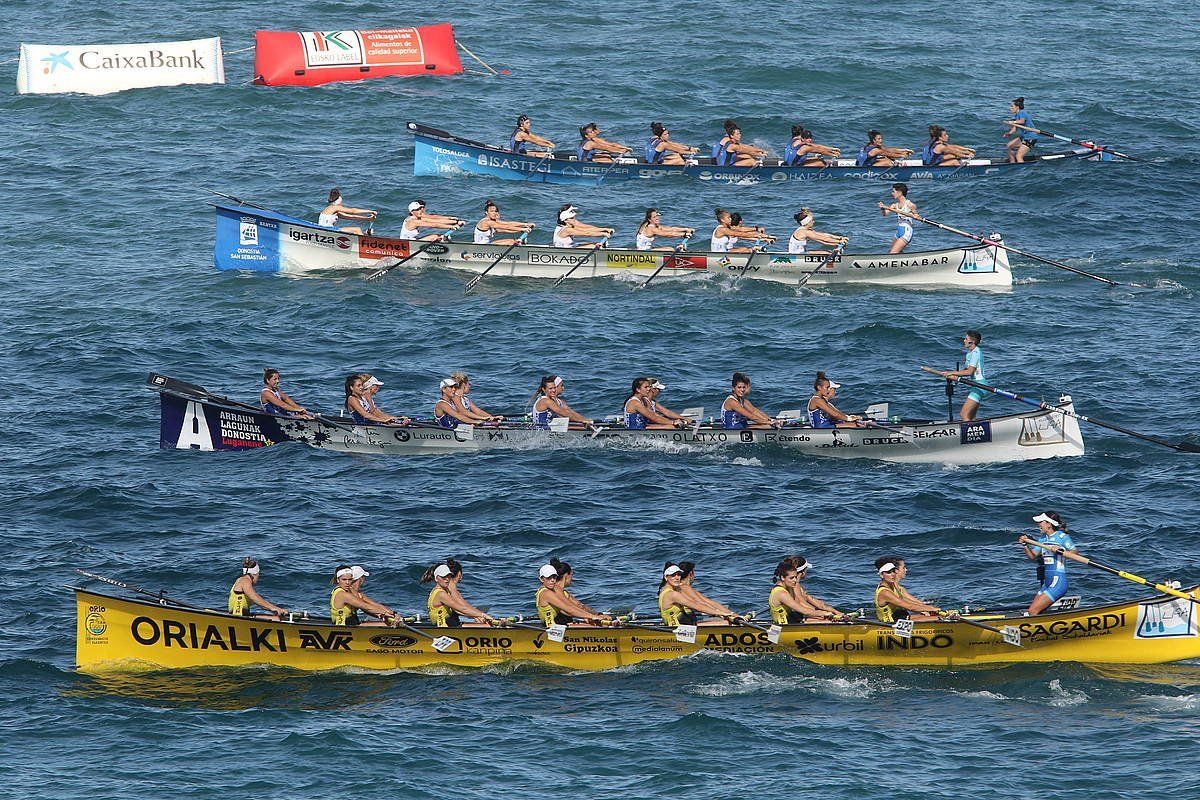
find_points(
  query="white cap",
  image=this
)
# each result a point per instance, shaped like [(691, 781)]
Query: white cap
[(807, 219), (442, 571), (1047, 518), (357, 572), (341, 573), (414, 205), (448, 382), (250, 571), (568, 213), (657, 385), (558, 380), (372, 381), (888, 567), (834, 385), (547, 571), (672, 570)]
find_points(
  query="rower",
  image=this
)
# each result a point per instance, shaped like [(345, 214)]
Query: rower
[(679, 600), (522, 137), (875, 154), (905, 210), (737, 412), (446, 412), (790, 604), (729, 230), (802, 566), (640, 415), (446, 604), (557, 607), (1050, 550), (1025, 138), (973, 370), (742, 155), (491, 224), (276, 401), (361, 405), (549, 405), (938, 152), (593, 148), (569, 226), (652, 228), (892, 601), (804, 233), (822, 413), (384, 615), (801, 151), (345, 602), (720, 152), (334, 211), (661, 150), (243, 595), (656, 388), (419, 220), (464, 403), (566, 576)]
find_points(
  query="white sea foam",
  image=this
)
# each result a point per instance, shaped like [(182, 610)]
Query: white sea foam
[(751, 682), (1184, 702), (746, 462), (1061, 697)]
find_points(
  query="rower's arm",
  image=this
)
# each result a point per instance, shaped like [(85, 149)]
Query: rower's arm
[(289, 403), (480, 414), (569, 606), (449, 408), (794, 604), (609, 147), (513, 227), (654, 416), (706, 605), (540, 141), (674, 232), (909, 603), (823, 150), (574, 415), (895, 152), (668, 413), (459, 603), (583, 229), (257, 599), (440, 221), (682, 149), (755, 414), (830, 409)]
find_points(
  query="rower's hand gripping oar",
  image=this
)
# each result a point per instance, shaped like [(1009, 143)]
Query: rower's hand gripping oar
[(474, 281), (1080, 142), (579, 262), (1001, 245), (1129, 576), (1181, 447)]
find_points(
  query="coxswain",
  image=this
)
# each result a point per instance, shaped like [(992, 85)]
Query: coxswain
[(1050, 550), (243, 595), (555, 606), (875, 154), (742, 155), (593, 148), (737, 412), (905, 210), (1022, 129), (661, 150), (446, 604), (824, 610), (640, 415), (276, 401), (938, 152), (549, 404), (569, 226), (720, 152), (652, 227), (691, 597), (822, 413), (892, 601), (358, 576), (419, 220), (804, 234), (487, 228), (466, 405), (973, 369), (729, 229), (790, 604), (522, 137), (446, 411), (801, 151), (335, 211), (656, 388), (345, 602), (361, 407)]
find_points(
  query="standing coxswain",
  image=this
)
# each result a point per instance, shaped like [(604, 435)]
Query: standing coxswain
[(804, 233), (276, 401), (652, 227), (487, 228), (335, 211), (641, 415), (593, 148), (549, 404), (661, 150), (446, 604), (1025, 137), (243, 595), (737, 412), (569, 226), (1050, 550), (905, 211), (419, 220), (522, 136), (974, 369)]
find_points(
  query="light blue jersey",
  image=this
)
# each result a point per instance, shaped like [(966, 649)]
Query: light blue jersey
[(1022, 118), (1054, 584), (975, 359)]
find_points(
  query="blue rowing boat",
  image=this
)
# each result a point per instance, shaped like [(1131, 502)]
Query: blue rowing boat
[(440, 153)]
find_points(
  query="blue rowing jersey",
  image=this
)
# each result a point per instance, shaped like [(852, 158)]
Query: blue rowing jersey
[(653, 154), (720, 153), (278, 411), (541, 419), (733, 420), (819, 419), (355, 404), (1054, 563), (928, 157), (584, 155), (790, 156), (514, 146), (865, 159), (634, 420), (1023, 118), (443, 420)]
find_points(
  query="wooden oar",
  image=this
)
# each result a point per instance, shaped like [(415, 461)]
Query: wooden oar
[(994, 243), (379, 273), (579, 262), (1129, 576), (1181, 447), (471, 283), (1080, 142)]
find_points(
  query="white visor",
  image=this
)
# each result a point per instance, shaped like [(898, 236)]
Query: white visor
[(341, 573), (834, 385), (414, 205), (251, 570), (357, 572), (547, 571), (566, 215), (806, 220), (657, 385), (557, 380), (448, 382), (671, 570), (805, 567), (372, 381), (1047, 518), (888, 567), (442, 571)]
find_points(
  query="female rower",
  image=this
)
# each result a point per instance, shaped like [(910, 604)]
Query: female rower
[(737, 412), (679, 579), (661, 150), (801, 151), (556, 606), (243, 595), (652, 227), (446, 411), (522, 137), (464, 403), (1025, 136), (742, 155), (640, 414), (875, 154), (822, 413), (720, 152), (549, 405), (802, 565), (419, 219), (728, 231), (445, 602), (566, 576), (334, 211), (892, 601), (593, 148), (656, 388), (491, 224), (276, 401), (358, 576), (938, 152), (345, 602), (798, 241), (1050, 550), (362, 409), (569, 227), (905, 210), (973, 369), (790, 604)]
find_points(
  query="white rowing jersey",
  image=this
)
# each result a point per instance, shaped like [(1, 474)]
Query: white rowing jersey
[(484, 237), (408, 233), (562, 237), (797, 246), (644, 242), (328, 220), (721, 244)]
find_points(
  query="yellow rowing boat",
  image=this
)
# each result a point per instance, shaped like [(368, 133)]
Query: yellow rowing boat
[(117, 634)]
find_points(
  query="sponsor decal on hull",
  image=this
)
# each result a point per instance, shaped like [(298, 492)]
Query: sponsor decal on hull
[(632, 260), (377, 247)]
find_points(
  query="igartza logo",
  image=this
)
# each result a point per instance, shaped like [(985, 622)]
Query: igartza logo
[(53, 60)]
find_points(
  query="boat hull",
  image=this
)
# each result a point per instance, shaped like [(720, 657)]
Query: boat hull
[(256, 239), (194, 423), (439, 153), (117, 634)]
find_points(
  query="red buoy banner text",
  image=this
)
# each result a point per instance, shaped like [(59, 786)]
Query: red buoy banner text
[(310, 58)]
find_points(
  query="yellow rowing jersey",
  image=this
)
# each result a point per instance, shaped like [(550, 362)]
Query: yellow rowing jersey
[(346, 615), (238, 602), (441, 616), (675, 614), (549, 615), (887, 612), (781, 614)]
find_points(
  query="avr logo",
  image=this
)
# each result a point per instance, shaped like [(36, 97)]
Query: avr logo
[(335, 640)]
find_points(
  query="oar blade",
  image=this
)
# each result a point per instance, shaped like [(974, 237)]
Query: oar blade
[(443, 643), (686, 634), (1188, 447), (773, 634), (556, 633), (1012, 635)]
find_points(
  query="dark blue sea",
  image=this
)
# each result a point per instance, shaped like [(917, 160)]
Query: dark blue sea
[(107, 274)]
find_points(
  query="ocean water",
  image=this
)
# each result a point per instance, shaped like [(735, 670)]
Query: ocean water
[(107, 274)]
